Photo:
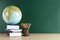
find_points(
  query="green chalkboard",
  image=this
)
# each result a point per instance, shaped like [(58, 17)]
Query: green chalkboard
[(43, 14)]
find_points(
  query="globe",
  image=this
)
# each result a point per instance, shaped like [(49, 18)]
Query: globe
[(12, 15)]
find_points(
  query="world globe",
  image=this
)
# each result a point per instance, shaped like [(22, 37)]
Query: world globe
[(12, 15)]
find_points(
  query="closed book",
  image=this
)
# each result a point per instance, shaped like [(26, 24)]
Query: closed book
[(16, 31), (19, 30), (15, 34)]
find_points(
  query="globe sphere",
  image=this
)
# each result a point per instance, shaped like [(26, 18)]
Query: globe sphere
[(12, 15)]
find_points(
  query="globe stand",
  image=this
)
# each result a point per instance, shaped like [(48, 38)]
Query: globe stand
[(13, 30)]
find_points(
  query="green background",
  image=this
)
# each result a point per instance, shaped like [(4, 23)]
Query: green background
[(44, 15)]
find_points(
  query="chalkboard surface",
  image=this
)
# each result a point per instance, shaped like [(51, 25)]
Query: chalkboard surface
[(44, 15)]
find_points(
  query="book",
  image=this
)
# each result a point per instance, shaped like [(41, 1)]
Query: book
[(15, 34)]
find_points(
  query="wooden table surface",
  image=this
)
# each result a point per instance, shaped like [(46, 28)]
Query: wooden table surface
[(32, 37)]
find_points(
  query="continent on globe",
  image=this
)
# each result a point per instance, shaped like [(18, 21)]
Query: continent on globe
[(8, 14)]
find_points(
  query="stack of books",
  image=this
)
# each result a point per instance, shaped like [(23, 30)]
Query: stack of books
[(13, 30)]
